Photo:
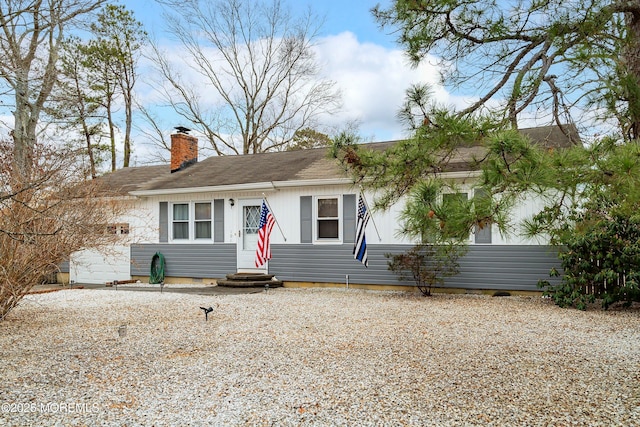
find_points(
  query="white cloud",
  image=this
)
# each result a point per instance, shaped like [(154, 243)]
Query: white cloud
[(373, 80)]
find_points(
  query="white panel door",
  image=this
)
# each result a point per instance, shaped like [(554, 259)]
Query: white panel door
[(249, 211)]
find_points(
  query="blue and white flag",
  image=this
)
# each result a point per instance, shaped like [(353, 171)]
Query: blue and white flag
[(360, 248)]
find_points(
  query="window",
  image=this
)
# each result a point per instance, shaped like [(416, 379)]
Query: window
[(451, 203), (203, 220), (121, 228), (180, 221), (451, 198), (328, 220), (192, 221)]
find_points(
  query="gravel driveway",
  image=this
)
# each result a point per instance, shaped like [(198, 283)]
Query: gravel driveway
[(315, 357)]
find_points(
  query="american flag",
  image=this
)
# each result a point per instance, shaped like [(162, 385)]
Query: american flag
[(263, 252), (360, 247)]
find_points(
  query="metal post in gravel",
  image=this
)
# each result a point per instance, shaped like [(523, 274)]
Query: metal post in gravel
[(115, 283), (206, 312), (161, 286)]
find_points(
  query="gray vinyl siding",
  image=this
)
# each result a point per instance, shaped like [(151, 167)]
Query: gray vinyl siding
[(63, 267), (348, 218), (164, 222), (517, 267), (496, 267), (218, 220), (328, 264), (188, 260)]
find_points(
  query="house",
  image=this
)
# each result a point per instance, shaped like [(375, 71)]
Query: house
[(203, 217)]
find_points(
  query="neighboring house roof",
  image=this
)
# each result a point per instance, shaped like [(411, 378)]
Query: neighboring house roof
[(553, 136), (279, 167), (125, 180)]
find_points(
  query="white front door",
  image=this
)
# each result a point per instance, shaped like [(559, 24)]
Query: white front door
[(249, 211)]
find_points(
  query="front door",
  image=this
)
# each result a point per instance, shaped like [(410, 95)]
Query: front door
[(248, 234)]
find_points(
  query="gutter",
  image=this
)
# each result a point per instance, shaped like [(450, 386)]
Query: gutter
[(275, 185), (252, 186)]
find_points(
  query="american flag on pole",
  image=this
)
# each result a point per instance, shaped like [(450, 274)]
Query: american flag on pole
[(360, 247), (263, 252)]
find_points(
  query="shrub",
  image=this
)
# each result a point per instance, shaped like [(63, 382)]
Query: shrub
[(427, 265), (601, 260), (46, 214)]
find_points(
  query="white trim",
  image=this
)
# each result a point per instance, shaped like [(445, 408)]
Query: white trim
[(256, 186), (274, 185), (461, 174), (312, 182), (245, 258)]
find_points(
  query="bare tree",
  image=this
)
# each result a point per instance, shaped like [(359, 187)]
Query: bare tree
[(32, 33), (260, 80), (46, 215)]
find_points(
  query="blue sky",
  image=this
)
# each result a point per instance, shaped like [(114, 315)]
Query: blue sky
[(354, 16), (369, 68), (345, 15)]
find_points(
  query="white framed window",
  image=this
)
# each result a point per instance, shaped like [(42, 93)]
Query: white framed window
[(481, 233), (119, 228), (202, 220), (452, 199), (180, 221), (191, 221), (327, 219)]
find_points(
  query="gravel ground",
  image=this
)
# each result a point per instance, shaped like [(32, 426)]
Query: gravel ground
[(315, 357)]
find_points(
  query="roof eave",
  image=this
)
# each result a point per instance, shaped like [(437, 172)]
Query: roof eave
[(461, 174), (251, 186)]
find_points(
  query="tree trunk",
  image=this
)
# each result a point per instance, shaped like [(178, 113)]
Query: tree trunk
[(631, 61), (112, 137), (24, 132), (87, 136), (127, 133)]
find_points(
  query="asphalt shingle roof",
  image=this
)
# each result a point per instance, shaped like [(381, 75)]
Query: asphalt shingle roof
[(279, 166)]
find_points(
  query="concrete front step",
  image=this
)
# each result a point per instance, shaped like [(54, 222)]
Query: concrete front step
[(250, 276), (249, 280), (249, 283)]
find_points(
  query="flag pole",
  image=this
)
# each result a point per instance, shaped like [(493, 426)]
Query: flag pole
[(370, 214), (264, 196)]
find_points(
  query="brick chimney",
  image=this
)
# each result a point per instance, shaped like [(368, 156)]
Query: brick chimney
[(184, 151)]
